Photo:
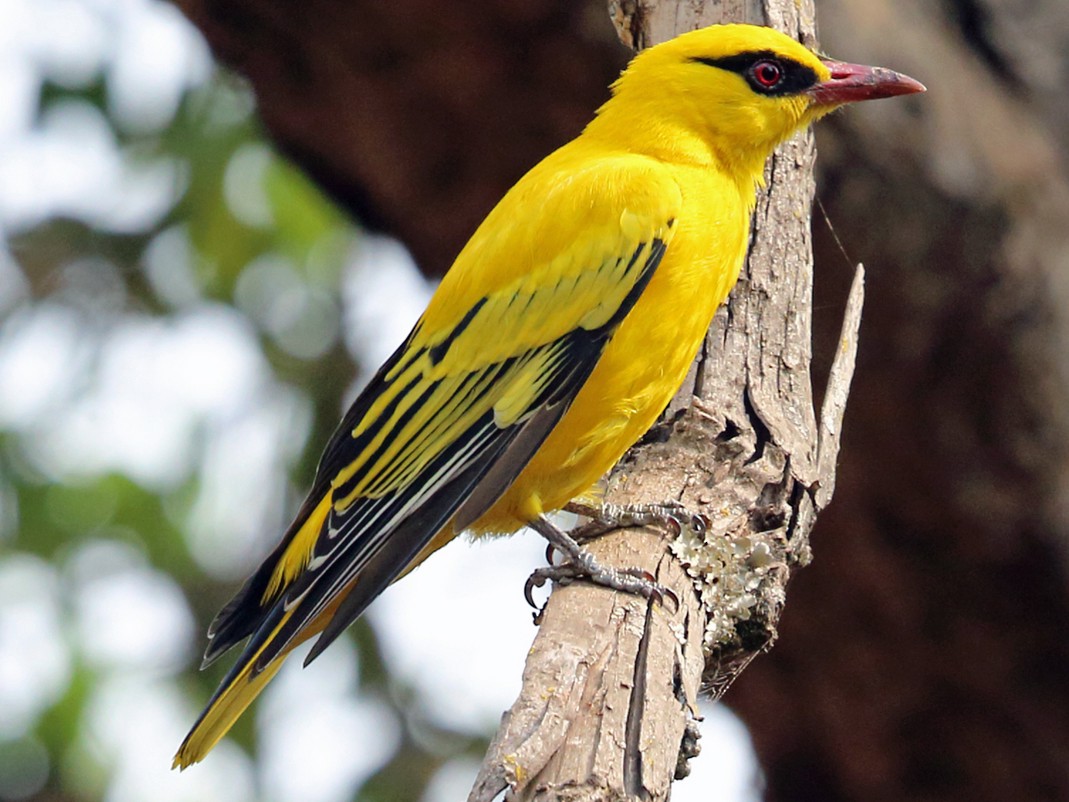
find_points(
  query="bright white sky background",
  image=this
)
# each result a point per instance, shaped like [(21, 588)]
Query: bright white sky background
[(154, 384)]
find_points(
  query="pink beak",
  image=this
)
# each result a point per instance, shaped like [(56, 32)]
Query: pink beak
[(853, 82)]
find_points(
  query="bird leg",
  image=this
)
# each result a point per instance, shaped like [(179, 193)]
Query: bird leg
[(672, 515), (581, 564)]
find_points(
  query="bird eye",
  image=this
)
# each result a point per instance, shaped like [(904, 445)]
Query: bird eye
[(767, 73)]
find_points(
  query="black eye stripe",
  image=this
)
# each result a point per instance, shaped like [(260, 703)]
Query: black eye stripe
[(796, 77)]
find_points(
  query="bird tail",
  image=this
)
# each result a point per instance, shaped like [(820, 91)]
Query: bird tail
[(236, 692)]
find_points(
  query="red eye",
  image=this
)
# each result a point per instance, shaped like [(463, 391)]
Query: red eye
[(767, 73)]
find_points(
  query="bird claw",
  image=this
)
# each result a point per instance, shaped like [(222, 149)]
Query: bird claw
[(671, 514), (535, 580), (657, 591), (581, 564), (636, 581)]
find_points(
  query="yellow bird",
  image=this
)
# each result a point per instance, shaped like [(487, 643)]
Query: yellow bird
[(558, 336)]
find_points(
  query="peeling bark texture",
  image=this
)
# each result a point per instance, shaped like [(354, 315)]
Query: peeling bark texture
[(924, 654), (740, 446)]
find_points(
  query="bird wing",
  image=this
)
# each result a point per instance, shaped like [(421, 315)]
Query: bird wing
[(504, 347), (450, 427)]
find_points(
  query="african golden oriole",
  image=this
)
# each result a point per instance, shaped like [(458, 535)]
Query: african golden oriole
[(558, 336)]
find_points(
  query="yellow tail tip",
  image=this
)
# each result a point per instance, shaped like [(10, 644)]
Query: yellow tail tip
[(203, 738), (182, 761), (229, 702)]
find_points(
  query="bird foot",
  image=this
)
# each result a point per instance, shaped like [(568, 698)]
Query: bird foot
[(628, 580), (580, 564), (672, 515)]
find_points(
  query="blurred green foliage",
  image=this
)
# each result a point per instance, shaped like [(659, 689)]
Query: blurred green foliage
[(245, 231)]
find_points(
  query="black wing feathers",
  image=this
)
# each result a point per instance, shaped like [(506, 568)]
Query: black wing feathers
[(244, 613), (367, 545)]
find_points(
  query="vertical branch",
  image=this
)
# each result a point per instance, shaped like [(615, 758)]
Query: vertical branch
[(608, 704)]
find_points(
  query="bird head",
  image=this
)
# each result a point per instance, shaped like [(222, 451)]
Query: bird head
[(734, 92)]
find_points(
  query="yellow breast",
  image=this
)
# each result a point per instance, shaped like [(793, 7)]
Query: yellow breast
[(647, 358)]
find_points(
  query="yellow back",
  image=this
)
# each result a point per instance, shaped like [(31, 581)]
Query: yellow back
[(669, 105)]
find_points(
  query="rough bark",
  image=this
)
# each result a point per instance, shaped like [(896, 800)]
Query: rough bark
[(923, 655)]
